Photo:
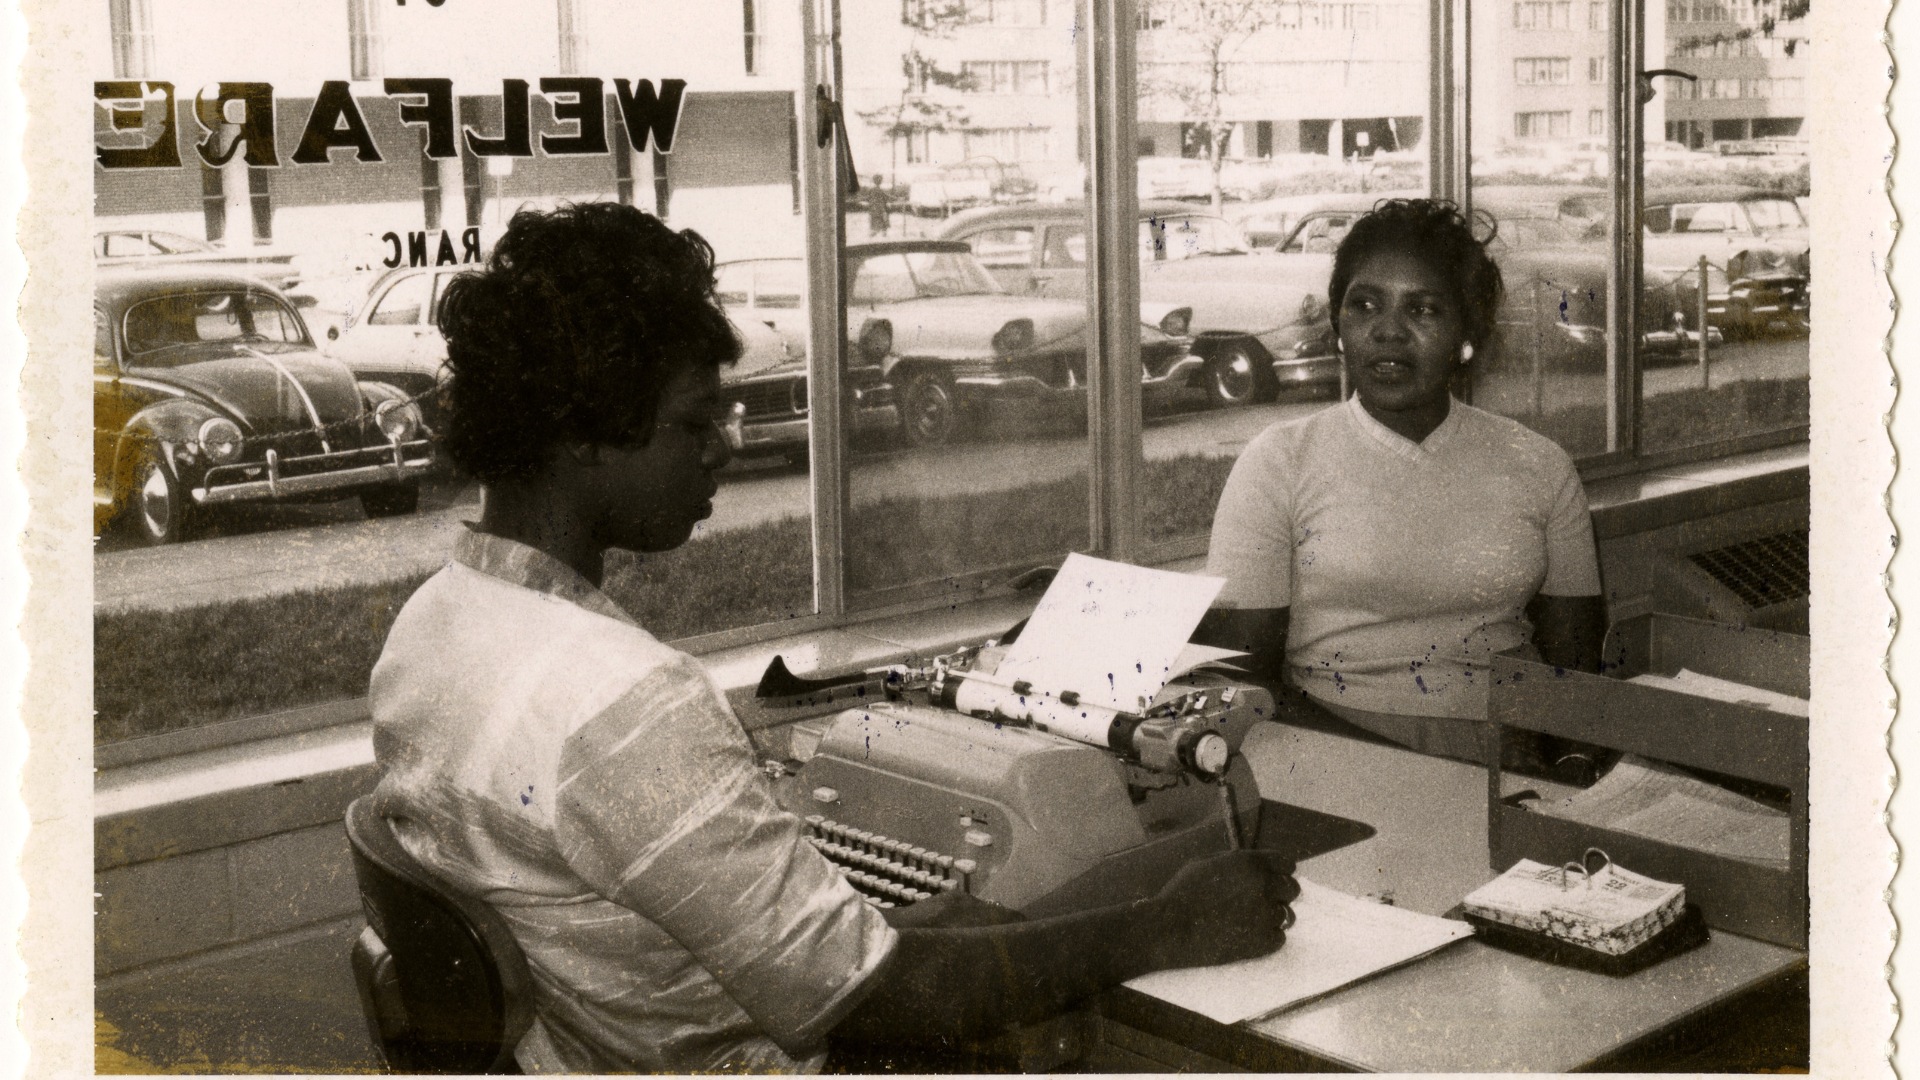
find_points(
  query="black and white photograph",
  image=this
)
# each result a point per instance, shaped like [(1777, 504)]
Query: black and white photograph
[(958, 536)]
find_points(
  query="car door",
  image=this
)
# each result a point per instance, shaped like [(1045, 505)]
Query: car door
[(1061, 270), (398, 332), (1008, 254)]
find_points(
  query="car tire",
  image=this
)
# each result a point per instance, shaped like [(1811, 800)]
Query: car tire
[(158, 510), (929, 409), (395, 500), (1233, 376)]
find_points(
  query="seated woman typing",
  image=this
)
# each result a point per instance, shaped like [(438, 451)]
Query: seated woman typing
[(1378, 553), (546, 754)]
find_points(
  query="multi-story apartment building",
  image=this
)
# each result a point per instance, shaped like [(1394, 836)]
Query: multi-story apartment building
[(1752, 84), (943, 81), (998, 78), (1540, 72), (1312, 76)]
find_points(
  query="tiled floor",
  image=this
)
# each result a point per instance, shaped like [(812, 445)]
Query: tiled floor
[(287, 1005)]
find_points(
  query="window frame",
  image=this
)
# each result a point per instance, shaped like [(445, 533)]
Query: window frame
[(1114, 427)]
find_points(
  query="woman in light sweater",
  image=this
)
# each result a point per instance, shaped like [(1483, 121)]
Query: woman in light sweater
[(1378, 553)]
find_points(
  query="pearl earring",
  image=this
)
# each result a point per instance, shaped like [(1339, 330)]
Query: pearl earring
[(1466, 352)]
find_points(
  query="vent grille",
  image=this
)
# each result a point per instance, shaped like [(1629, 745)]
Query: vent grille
[(1761, 572)]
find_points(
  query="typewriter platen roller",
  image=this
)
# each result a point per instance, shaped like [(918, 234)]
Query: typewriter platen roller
[(911, 799)]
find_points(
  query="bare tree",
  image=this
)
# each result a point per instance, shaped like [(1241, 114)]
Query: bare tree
[(1186, 54), (925, 103)]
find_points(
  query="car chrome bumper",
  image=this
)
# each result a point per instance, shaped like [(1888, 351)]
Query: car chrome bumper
[(408, 461), (1032, 386), (1306, 369), (1177, 373), (747, 436)]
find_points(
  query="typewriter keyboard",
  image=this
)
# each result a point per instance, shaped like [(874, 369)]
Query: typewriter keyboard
[(888, 872)]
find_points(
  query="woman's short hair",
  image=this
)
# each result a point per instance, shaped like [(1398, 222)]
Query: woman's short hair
[(571, 333), (1435, 232)]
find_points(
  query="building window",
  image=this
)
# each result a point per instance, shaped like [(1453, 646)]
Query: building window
[(364, 47), (1597, 123), (1149, 16), (1596, 15), (1006, 76), (1017, 12), (131, 22), (1542, 125), (1541, 71), (1543, 15), (750, 28), (1010, 144), (1596, 69)]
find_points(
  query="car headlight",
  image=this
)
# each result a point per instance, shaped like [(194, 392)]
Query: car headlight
[(1176, 322), (399, 421), (1014, 337), (1312, 308), (220, 440), (876, 340)]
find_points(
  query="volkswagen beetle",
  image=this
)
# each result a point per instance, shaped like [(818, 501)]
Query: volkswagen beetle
[(207, 390)]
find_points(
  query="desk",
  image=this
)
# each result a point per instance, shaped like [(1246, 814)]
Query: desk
[(1469, 1008)]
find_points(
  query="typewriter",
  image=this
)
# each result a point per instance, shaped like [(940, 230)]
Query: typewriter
[(941, 776)]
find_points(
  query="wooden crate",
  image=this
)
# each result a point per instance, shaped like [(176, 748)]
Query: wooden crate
[(1749, 743)]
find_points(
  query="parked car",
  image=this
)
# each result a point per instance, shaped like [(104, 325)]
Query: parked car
[(947, 189), (391, 334), (934, 337), (207, 390), (1176, 178), (1257, 323), (953, 342), (1757, 247), (1554, 310), (154, 248)]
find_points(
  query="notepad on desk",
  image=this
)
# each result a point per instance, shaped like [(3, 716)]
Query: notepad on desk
[(1336, 940)]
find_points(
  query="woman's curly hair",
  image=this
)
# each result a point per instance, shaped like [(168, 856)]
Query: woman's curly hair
[(1435, 232), (572, 332)]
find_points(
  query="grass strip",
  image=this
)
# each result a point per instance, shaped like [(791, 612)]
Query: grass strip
[(157, 671)]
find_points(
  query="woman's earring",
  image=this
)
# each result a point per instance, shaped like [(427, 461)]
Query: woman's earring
[(1466, 352)]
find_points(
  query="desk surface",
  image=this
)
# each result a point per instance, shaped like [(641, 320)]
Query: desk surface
[(1470, 1007)]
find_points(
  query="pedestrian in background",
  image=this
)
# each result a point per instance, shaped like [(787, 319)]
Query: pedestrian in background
[(879, 208)]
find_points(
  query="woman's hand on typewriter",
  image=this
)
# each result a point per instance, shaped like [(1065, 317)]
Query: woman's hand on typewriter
[(1226, 907)]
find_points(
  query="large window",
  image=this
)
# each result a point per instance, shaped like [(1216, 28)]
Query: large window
[(968, 445), (1006, 76), (1261, 138), (1542, 14), (1542, 71), (1542, 125)]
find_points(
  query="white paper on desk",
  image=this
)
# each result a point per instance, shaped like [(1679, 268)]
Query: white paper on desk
[(1108, 631), (1654, 800), (1336, 940), (1707, 686)]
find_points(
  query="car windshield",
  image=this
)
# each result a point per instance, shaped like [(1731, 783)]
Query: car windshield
[(175, 244), (1774, 214), (1189, 237), (917, 275), (157, 330), (1534, 232)]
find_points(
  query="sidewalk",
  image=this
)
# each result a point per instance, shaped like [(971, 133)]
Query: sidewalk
[(276, 563)]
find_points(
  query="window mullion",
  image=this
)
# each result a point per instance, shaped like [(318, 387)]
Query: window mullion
[(825, 230), (1624, 186), (1113, 288)]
